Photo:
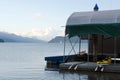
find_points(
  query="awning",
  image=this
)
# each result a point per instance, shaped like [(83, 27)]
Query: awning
[(100, 22)]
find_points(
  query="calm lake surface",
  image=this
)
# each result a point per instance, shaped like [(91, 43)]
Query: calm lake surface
[(25, 61)]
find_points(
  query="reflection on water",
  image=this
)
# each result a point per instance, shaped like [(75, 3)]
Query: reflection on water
[(90, 76), (27, 71)]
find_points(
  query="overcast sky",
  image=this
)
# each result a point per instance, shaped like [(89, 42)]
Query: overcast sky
[(43, 18)]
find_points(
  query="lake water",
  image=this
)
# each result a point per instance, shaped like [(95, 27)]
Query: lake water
[(25, 61)]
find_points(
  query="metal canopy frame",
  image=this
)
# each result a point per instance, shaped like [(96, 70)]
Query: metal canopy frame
[(95, 45)]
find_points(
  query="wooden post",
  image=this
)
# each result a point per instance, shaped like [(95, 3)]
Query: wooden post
[(115, 49), (95, 47), (102, 43)]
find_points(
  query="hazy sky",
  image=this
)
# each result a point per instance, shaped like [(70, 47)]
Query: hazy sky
[(43, 18)]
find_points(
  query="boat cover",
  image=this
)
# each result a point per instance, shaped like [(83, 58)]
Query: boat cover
[(94, 22)]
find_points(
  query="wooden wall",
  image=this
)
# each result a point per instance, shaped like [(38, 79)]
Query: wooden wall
[(105, 45)]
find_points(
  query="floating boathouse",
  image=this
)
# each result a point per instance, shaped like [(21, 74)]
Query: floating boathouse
[(103, 31)]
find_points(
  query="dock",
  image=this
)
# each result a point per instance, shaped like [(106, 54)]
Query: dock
[(80, 63), (89, 66)]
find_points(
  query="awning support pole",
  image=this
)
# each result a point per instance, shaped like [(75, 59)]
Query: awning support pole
[(64, 49), (79, 43), (88, 47), (72, 46)]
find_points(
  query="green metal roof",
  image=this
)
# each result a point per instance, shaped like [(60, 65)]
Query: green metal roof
[(100, 22)]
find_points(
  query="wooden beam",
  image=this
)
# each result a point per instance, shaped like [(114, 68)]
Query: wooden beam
[(95, 46)]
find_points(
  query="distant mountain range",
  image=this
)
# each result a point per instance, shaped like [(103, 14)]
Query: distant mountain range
[(7, 37), (60, 39)]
